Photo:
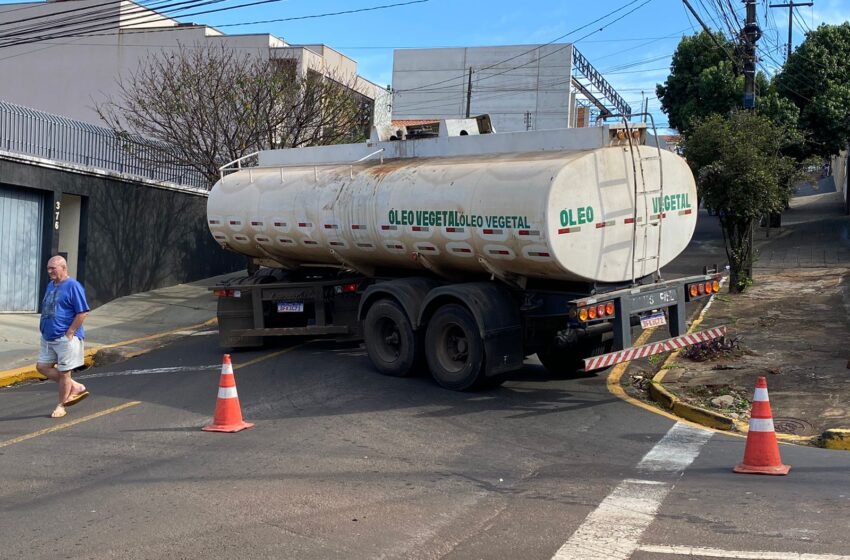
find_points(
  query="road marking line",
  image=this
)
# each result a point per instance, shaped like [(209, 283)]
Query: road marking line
[(68, 424), (178, 369), (613, 530), (272, 355), (742, 554)]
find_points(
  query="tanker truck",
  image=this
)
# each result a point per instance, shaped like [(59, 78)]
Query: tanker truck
[(463, 251)]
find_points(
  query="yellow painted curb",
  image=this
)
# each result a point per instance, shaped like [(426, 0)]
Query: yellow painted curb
[(836, 438), (12, 376)]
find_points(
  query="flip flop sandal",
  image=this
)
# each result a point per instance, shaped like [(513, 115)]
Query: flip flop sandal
[(58, 412), (74, 399)]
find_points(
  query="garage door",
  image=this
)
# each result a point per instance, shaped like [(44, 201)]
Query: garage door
[(20, 248)]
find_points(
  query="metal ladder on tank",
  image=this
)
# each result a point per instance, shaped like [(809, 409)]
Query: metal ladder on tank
[(648, 192)]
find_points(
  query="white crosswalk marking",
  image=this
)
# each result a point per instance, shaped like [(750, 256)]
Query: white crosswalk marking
[(613, 530)]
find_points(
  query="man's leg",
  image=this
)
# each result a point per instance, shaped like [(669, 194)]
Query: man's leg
[(69, 356)]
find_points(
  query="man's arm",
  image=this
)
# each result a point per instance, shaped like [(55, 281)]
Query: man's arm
[(76, 324)]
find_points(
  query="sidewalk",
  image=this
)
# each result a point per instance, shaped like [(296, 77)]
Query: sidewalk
[(121, 328), (794, 329)]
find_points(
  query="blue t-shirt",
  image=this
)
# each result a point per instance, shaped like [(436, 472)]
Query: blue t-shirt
[(59, 307)]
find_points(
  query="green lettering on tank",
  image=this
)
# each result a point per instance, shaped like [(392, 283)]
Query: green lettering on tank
[(577, 216)]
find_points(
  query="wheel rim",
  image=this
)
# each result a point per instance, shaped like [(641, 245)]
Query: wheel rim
[(388, 340), (453, 348)]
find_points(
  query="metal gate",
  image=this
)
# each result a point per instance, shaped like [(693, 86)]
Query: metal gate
[(21, 219)]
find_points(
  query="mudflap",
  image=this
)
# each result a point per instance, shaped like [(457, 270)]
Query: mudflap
[(503, 350)]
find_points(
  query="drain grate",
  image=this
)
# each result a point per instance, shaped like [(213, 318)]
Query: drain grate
[(793, 426)]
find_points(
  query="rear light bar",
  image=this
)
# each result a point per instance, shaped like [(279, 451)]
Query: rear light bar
[(226, 292), (703, 288), (603, 310)]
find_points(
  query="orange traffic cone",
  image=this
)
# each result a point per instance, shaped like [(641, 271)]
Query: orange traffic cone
[(228, 414), (761, 455)]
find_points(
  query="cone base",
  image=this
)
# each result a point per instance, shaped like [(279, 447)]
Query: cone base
[(778, 470), (230, 428)]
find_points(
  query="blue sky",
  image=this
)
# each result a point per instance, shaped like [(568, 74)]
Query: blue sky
[(632, 50), (630, 45)]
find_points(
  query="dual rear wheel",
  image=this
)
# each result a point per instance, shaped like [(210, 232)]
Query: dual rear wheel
[(452, 345)]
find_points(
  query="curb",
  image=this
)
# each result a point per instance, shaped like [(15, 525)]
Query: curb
[(106, 354), (836, 438), (687, 411)]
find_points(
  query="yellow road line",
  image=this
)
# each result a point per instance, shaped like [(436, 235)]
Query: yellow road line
[(272, 355), (68, 424)]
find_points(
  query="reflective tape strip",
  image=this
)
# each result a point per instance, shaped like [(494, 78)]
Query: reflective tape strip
[(421, 228), (604, 224), (761, 394), (227, 369), (331, 226), (568, 230), (305, 224), (227, 393), (761, 424), (684, 212), (358, 226), (386, 227), (607, 360)]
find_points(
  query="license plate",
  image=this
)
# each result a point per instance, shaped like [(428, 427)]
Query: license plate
[(290, 307), (654, 320)]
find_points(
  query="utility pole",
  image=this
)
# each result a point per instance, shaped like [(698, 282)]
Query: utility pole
[(791, 5), (469, 93), (750, 34)]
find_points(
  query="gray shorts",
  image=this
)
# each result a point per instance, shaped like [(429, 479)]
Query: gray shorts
[(66, 354)]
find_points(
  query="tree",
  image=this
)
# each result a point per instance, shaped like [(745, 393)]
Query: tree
[(204, 107), (741, 174), (816, 78), (703, 80)]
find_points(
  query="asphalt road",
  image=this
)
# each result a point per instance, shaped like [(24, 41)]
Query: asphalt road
[(345, 463)]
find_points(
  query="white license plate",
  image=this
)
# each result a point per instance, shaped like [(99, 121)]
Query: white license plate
[(654, 320), (290, 307)]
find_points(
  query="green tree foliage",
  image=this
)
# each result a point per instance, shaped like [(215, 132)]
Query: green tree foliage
[(703, 80), (816, 78), (204, 107), (742, 174)]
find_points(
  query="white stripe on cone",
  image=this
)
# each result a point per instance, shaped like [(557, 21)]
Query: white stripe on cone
[(761, 424), (227, 369), (227, 393), (761, 395)]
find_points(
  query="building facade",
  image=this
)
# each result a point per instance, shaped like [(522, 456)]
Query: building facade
[(521, 87), (66, 57)]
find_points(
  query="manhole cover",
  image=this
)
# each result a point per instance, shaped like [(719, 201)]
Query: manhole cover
[(793, 426)]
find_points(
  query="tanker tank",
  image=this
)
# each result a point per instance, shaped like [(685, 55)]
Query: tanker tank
[(592, 205)]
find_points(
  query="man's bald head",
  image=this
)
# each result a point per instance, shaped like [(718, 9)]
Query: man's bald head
[(58, 260), (57, 268)]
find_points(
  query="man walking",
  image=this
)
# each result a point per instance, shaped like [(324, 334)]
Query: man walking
[(63, 310)]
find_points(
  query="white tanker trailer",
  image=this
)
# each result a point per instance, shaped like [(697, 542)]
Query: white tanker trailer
[(463, 252)]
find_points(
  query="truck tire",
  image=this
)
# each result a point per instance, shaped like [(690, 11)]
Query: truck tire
[(567, 362), (393, 346), (454, 349)]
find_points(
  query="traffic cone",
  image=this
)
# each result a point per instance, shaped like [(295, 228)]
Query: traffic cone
[(228, 414), (761, 455)]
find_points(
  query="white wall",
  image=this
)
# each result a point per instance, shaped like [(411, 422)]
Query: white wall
[(432, 83)]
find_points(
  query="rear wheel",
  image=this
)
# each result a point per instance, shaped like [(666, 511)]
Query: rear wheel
[(392, 345), (454, 349)]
